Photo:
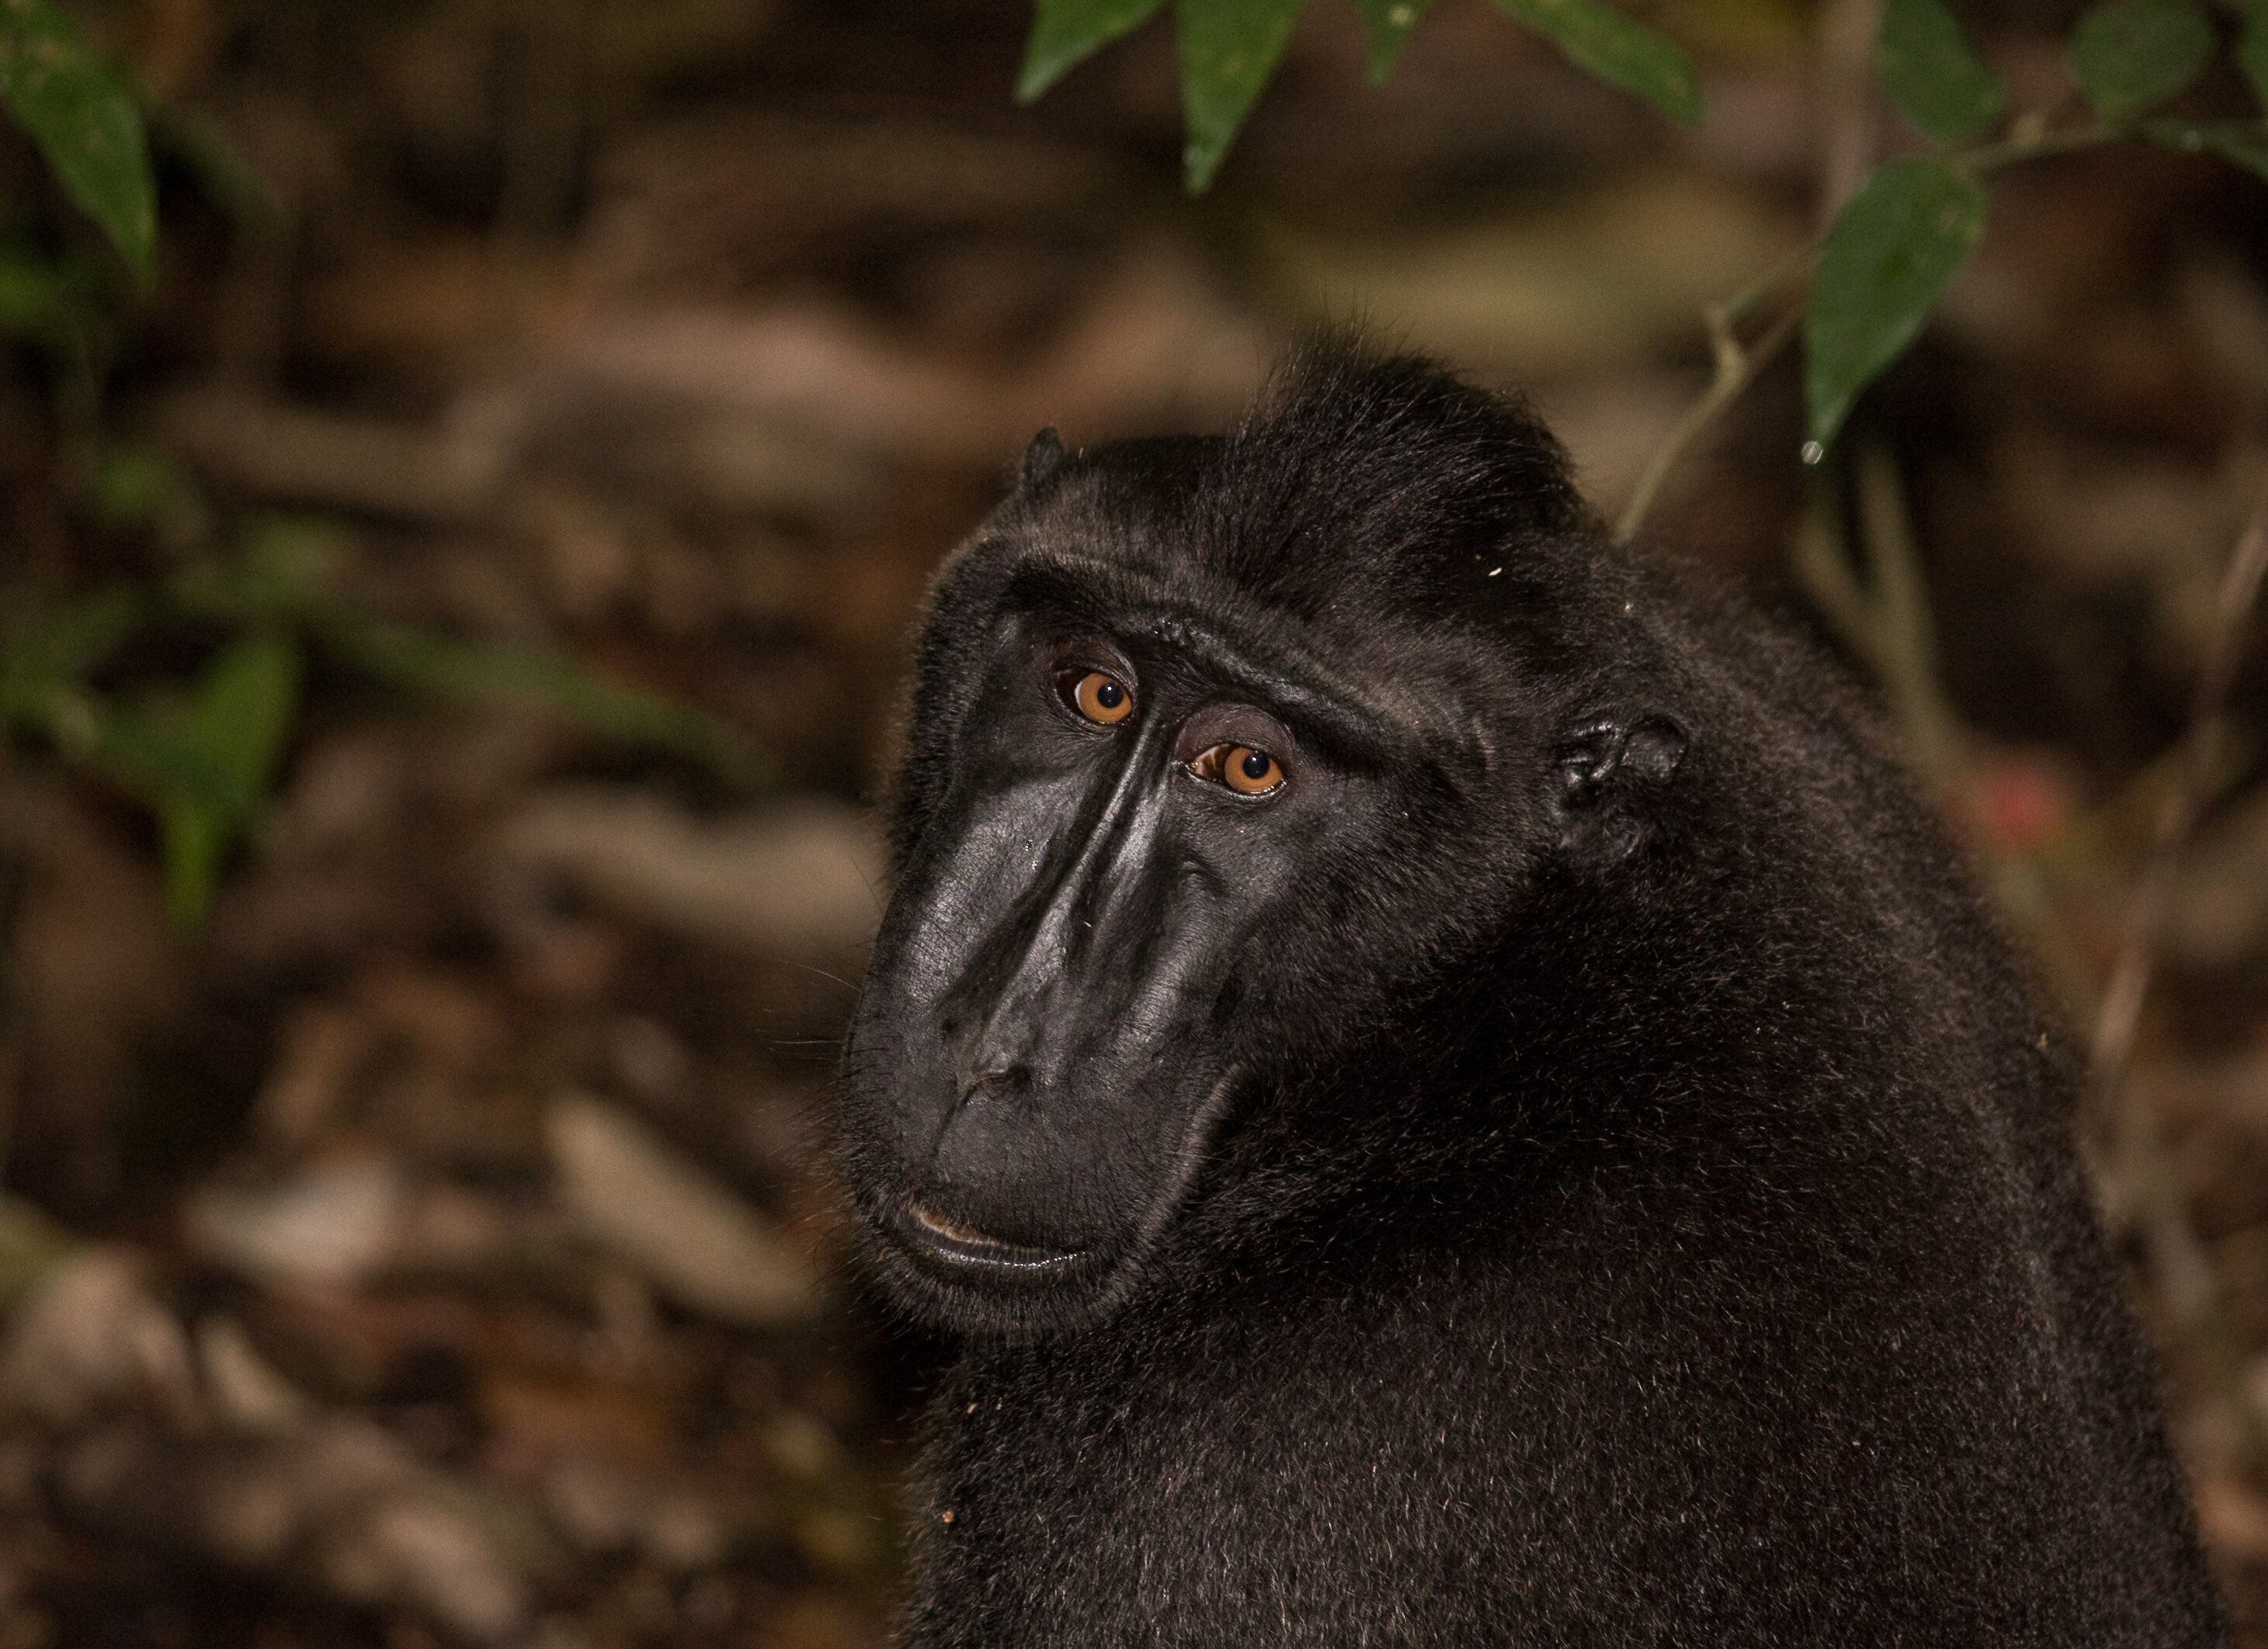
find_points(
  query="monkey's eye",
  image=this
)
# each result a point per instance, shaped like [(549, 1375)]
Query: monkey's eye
[(1242, 767), (1095, 697)]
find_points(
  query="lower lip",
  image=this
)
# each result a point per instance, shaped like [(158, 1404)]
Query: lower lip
[(936, 1239)]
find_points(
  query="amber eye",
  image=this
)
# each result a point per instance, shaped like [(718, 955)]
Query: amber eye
[(1244, 768), (1101, 699)]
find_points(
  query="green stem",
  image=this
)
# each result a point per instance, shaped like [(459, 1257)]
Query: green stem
[(1994, 156), (1725, 315)]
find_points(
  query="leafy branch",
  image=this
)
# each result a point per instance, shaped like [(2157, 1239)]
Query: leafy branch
[(1878, 272), (1880, 267), (1892, 262), (1229, 50)]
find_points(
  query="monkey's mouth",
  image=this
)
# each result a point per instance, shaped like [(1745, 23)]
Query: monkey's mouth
[(941, 1240)]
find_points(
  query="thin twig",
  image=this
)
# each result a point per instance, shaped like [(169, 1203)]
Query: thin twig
[(1736, 307), (2178, 816), (2141, 1192), (1736, 369), (1877, 604), (1907, 634), (2038, 144), (1846, 31)]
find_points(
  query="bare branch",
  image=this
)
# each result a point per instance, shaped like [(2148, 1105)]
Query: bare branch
[(2199, 760), (2142, 1194)]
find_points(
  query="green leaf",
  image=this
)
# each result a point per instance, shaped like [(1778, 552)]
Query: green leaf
[(84, 121), (2131, 55), (1888, 257), (1229, 49), (1618, 49), (193, 840), (1066, 33), (145, 753), (2252, 49), (242, 711), (237, 721), (1389, 23), (1939, 83), (2239, 143), (491, 672)]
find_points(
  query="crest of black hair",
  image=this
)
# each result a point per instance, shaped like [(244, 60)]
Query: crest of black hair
[(1358, 476), (1353, 477)]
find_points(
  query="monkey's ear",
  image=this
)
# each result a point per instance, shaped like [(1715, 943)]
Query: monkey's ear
[(1041, 459), (1611, 772)]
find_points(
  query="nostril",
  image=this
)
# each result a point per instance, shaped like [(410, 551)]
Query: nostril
[(1003, 1082), (992, 1066)]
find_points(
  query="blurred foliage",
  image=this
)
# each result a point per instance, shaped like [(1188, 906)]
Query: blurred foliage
[(1229, 48), (85, 124), (1933, 74), (1887, 260), (2131, 55), (203, 755), (1895, 247), (234, 724)]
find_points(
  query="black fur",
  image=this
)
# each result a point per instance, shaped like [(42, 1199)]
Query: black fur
[(1576, 1166)]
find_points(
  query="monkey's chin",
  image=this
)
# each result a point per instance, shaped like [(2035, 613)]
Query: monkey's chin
[(959, 1279), (943, 1273)]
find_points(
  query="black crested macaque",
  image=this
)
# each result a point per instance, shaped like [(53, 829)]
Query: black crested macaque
[(1453, 1095)]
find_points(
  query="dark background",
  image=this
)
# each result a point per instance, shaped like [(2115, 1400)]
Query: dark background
[(432, 1246)]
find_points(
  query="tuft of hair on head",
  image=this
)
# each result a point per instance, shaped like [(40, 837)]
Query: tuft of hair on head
[(1390, 466), (1041, 460)]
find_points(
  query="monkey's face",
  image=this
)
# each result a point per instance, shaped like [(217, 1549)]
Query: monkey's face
[(1232, 765), (1166, 860)]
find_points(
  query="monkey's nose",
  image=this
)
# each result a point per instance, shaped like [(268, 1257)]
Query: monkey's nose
[(1010, 1082), (990, 1102), (996, 1080), (998, 1158)]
